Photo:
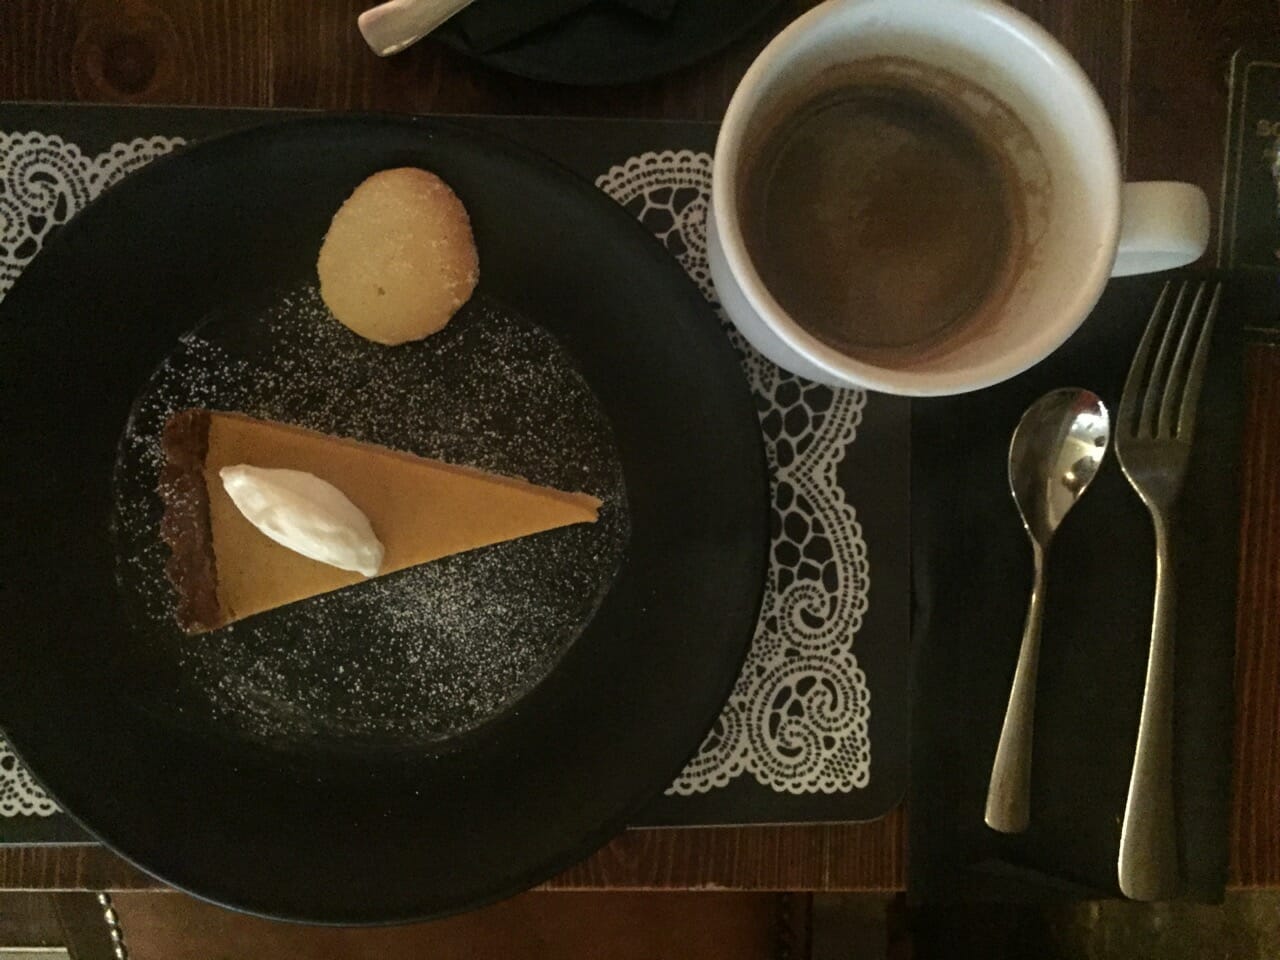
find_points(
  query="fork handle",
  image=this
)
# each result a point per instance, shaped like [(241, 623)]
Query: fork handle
[(1148, 865), (1009, 794)]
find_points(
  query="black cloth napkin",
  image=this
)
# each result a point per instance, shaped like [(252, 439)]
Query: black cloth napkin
[(972, 573), (489, 24)]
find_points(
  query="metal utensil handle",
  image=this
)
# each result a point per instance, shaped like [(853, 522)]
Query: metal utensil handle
[(1148, 865), (1009, 795), (391, 26)]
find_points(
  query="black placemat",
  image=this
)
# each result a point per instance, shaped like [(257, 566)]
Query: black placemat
[(972, 574), (873, 474)]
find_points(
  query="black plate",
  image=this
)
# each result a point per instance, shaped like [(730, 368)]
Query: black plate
[(314, 830), (607, 44)]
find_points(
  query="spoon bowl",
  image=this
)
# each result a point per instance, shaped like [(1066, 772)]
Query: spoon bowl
[(1055, 453)]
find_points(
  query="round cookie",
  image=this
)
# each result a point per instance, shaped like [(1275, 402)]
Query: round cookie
[(399, 258)]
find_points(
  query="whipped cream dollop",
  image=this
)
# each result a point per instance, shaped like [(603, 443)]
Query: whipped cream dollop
[(308, 515)]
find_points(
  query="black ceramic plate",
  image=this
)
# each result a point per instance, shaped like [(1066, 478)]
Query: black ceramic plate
[(314, 826), (607, 44)]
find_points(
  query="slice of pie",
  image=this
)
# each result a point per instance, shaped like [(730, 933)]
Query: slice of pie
[(225, 569)]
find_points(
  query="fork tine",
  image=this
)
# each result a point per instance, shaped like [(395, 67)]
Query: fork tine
[(1195, 375), (1158, 374), (1127, 414), (1172, 388)]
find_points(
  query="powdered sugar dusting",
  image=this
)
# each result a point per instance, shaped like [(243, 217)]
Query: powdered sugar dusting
[(423, 654)]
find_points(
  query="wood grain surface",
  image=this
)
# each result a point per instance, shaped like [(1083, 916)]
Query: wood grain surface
[(535, 926), (1160, 67), (855, 856), (1255, 807)]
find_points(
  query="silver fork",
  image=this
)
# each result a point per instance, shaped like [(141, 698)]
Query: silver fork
[(1153, 432)]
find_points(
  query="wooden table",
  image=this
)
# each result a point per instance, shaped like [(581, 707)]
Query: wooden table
[(1160, 66)]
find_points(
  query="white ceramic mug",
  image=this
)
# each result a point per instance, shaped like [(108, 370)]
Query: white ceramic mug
[(1095, 227)]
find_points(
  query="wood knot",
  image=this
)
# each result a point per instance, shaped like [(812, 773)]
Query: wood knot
[(127, 56), (129, 63)]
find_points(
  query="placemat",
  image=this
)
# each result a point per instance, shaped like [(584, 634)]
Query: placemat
[(972, 575), (816, 729)]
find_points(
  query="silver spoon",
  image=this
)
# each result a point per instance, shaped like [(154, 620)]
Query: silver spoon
[(391, 26), (1055, 453)]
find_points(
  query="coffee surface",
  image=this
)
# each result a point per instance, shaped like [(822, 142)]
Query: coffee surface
[(879, 217)]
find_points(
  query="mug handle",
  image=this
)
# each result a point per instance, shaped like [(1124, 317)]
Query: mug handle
[(1164, 224)]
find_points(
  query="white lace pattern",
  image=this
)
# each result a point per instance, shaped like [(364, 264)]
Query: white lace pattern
[(44, 181), (798, 718)]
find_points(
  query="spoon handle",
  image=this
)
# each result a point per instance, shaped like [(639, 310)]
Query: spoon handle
[(1009, 795), (391, 26)]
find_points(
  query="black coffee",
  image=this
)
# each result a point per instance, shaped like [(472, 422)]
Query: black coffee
[(879, 216)]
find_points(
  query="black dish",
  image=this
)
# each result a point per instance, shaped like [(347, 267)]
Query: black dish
[(313, 831), (608, 44)]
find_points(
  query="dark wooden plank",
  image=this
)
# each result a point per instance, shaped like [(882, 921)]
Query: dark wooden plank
[(840, 857), (1255, 811), (616, 925), (858, 856), (36, 41), (30, 920), (262, 53), (168, 51), (70, 867)]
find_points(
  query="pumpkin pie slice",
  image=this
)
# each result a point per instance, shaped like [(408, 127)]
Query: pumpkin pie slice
[(224, 569)]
